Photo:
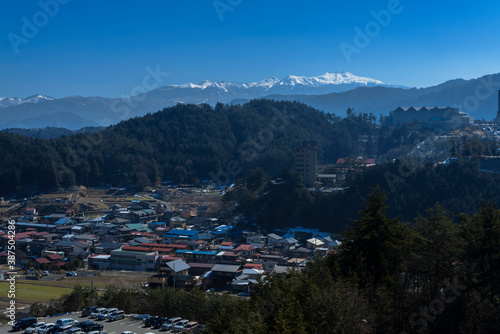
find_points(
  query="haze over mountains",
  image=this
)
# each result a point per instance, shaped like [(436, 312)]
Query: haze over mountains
[(331, 92)]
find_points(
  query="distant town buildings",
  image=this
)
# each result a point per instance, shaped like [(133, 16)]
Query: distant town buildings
[(178, 252), (443, 118), (306, 165)]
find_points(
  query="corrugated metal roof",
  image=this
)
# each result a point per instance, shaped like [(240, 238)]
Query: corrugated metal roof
[(178, 266), (226, 268)]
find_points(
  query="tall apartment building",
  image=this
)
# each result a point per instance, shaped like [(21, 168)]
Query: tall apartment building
[(498, 111), (306, 162)]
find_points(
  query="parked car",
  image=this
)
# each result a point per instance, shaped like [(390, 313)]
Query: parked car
[(103, 315), (201, 328), (89, 326), (116, 315), (167, 325), (177, 328), (190, 327), (44, 328), (66, 321), (53, 329), (159, 322), (150, 321), (96, 312), (33, 328), (88, 310), (139, 316), (60, 329), (23, 323), (75, 330), (45, 273)]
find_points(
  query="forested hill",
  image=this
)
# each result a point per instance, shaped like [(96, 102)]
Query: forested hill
[(49, 132), (185, 142), (460, 187)]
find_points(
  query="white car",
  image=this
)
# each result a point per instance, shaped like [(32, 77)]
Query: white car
[(167, 325), (44, 328), (96, 312), (66, 321), (33, 328), (179, 326), (116, 315), (103, 315)]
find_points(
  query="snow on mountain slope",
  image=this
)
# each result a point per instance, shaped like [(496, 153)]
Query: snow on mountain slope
[(344, 78), (14, 101)]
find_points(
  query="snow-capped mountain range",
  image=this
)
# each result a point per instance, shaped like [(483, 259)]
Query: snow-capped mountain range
[(226, 91), (330, 92), (14, 101), (291, 81)]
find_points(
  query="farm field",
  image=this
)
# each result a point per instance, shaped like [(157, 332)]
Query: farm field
[(30, 291)]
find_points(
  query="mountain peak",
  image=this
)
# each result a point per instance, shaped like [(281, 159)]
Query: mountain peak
[(14, 101)]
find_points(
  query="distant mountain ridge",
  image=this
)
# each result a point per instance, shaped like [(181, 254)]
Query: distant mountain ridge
[(476, 97), (223, 91), (330, 92), (14, 101)]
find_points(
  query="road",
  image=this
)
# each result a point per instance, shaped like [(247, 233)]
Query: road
[(115, 327)]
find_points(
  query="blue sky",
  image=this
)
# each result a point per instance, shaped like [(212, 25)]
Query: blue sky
[(102, 48)]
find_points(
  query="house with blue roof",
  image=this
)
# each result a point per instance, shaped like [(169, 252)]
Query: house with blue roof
[(227, 231), (197, 256), (177, 234), (64, 222), (303, 234)]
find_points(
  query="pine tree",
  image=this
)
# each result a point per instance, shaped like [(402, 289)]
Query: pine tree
[(373, 246)]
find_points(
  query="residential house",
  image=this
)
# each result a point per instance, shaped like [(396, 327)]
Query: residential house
[(272, 239), (177, 235), (246, 279), (245, 250), (30, 214), (99, 262), (106, 247), (300, 252), (197, 256), (314, 243), (198, 269), (174, 273), (221, 274), (285, 245), (177, 223)]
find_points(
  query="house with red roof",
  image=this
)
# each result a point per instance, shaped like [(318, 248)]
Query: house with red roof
[(245, 250)]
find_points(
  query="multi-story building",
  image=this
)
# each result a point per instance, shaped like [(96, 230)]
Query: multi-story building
[(443, 118), (306, 162), (132, 260)]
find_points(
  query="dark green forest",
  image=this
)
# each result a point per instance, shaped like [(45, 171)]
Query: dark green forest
[(427, 276), (459, 187), (49, 132), (186, 143)]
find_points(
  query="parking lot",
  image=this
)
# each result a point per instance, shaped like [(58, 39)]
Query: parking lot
[(115, 327)]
